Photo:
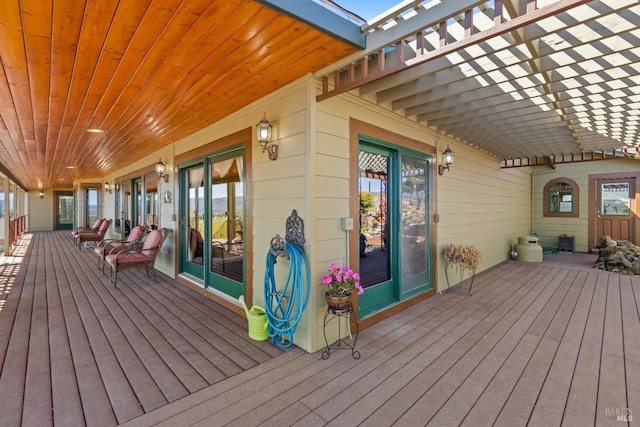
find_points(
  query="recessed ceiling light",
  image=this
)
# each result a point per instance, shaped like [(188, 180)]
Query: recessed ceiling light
[(71, 167), (95, 130)]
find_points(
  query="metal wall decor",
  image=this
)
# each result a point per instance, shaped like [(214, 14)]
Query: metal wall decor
[(294, 234)]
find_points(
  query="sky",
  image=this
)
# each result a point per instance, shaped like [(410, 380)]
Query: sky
[(367, 9)]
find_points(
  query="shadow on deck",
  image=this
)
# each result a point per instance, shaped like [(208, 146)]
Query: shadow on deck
[(544, 344)]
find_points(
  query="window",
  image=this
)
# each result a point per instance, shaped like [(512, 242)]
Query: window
[(561, 198)]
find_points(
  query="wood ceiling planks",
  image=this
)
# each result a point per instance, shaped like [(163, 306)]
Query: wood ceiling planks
[(147, 72)]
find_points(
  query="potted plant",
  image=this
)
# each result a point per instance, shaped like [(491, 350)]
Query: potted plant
[(341, 282), (461, 257)]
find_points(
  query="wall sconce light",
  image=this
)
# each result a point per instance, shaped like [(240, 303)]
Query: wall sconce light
[(41, 194), (160, 171), (167, 196), (263, 132), (107, 188), (447, 158)]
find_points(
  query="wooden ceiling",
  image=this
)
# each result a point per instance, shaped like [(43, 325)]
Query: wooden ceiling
[(145, 72)]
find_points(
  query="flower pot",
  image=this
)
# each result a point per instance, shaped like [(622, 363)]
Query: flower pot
[(338, 303)]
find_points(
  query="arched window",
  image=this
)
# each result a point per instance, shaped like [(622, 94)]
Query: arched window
[(561, 198)]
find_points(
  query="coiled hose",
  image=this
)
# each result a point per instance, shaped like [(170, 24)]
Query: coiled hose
[(282, 315)]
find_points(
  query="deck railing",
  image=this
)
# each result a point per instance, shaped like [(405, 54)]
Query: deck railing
[(16, 228)]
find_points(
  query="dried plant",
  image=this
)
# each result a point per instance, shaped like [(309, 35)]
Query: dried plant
[(462, 256)]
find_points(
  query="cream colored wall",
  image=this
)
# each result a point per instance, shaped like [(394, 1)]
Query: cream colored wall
[(477, 202), (548, 229), (40, 211)]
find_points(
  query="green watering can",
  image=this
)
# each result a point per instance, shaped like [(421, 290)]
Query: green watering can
[(257, 321)]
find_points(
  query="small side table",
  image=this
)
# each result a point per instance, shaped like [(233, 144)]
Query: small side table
[(341, 344)]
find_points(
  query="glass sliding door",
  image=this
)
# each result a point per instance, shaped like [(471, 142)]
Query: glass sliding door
[(395, 234), (377, 244), (151, 200), (192, 220), (415, 239), (226, 269), (64, 210), (212, 222), (91, 207), (126, 213)]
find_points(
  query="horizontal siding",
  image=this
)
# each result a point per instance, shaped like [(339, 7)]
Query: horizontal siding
[(548, 229)]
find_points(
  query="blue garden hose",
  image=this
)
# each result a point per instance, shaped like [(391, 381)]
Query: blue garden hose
[(284, 307)]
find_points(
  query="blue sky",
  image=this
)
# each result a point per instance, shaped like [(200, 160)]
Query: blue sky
[(367, 9)]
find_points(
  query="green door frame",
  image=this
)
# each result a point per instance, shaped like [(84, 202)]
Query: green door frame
[(384, 294), (203, 272)]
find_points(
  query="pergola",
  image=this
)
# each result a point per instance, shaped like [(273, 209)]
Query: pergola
[(552, 81)]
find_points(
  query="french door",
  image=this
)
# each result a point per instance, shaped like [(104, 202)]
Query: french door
[(64, 210), (212, 221), (395, 234)]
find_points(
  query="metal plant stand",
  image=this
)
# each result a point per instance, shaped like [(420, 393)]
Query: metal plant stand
[(341, 344)]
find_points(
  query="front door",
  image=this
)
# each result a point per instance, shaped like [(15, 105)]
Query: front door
[(615, 216)]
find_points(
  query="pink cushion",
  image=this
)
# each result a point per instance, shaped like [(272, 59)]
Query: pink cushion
[(97, 224), (135, 234), (152, 240), (90, 235), (127, 258)]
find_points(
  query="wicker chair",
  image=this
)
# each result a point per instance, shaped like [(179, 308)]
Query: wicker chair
[(94, 227), (138, 257), (84, 236), (112, 246)]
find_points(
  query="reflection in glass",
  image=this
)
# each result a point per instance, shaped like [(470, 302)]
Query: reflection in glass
[(126, 207), (195, 215), (65, 211), (561, 198), (91, 207), (374, 256), (227, 218), (414, 225), (615, 198), (151, 200)]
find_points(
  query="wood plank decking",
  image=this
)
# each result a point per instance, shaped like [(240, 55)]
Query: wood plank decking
[(541, 344), (76, 351)]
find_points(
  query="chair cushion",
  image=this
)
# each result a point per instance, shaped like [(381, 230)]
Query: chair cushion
[(152, 240), (135, 234), (128, 258), (90, 235)]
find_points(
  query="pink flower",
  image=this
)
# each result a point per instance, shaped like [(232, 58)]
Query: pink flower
[(327, 280)]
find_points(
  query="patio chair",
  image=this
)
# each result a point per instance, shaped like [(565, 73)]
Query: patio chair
[(111, 246), (138, 257), (94, 227), (85, 236)]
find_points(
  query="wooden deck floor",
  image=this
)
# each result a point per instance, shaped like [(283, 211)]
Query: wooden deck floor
[(76, 351), (543, 344)]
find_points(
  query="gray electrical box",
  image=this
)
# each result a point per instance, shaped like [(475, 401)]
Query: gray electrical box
[(347, 224)]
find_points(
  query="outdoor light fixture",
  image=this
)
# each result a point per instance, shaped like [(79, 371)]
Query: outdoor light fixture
[(263, 132), (41, 194), (447, 158), (160, 171), (107, 187)]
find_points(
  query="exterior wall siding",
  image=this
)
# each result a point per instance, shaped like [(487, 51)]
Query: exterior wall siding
[(548, 229)]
